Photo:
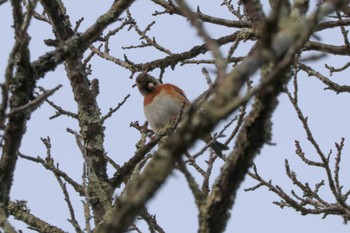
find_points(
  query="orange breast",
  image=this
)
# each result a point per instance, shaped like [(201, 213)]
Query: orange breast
[(167, 89)]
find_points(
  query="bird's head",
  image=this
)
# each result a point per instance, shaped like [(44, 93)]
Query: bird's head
[(146, 83)]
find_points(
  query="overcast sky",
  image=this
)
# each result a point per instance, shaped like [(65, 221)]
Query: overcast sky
[(174, 205)]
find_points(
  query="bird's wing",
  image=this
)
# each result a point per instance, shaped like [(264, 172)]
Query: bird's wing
[(177, 90)]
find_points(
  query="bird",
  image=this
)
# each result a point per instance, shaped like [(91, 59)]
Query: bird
[(163, 103)]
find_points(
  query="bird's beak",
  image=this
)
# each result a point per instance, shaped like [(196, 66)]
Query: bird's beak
[(150, 85)]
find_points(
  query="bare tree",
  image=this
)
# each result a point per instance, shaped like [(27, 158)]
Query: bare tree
[(115, 195)]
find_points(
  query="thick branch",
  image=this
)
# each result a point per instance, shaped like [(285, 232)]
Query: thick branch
[(20, 212), (22, 86), (89, 116), (125, 171), (327, 48), (257, 127), (254, 134), (78, 44)]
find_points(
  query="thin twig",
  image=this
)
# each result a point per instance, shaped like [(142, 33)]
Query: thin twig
[(34, 103), (194, 187), (73, 220), (49, 165), (113, 110), (151, 221)]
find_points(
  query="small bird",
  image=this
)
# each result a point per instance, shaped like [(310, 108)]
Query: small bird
[(163, 103)]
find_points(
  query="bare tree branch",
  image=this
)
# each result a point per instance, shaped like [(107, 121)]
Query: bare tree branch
[(34, 103), (330, 84), (74, 44), (20, 211), (279, 45), (23, 84), (170, 8)]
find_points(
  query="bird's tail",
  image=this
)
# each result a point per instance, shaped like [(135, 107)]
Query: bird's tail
[(218, 147)]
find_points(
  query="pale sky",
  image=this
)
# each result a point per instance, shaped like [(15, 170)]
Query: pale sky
[(174, 205)]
